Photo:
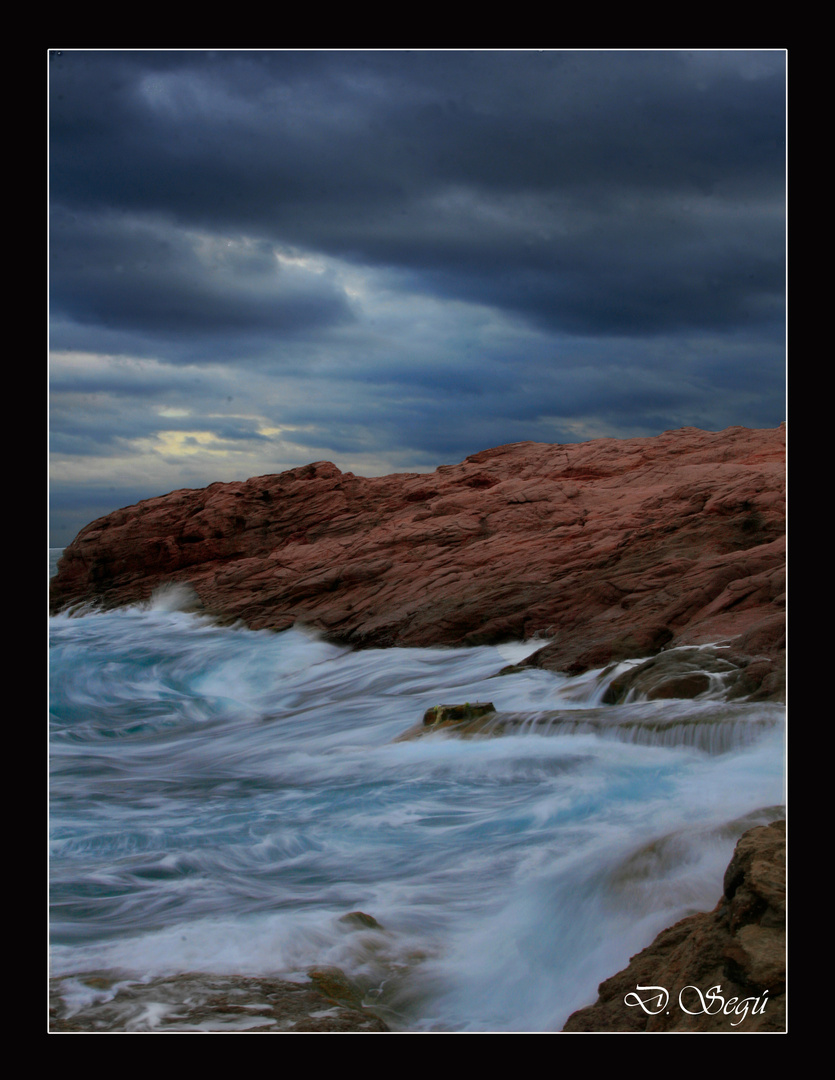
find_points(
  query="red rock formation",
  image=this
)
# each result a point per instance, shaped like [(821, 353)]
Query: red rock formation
[(723, 970), (613, 548)]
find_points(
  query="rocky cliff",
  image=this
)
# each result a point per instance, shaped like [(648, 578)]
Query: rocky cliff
[(723, 970), (609, 549)]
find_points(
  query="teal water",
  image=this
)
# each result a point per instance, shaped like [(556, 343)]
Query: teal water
[(220, 798)]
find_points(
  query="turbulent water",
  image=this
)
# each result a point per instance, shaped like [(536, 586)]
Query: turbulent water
[(221, 798)]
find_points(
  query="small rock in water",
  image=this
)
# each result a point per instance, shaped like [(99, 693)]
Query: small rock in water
[(441, 715), (359, 918)]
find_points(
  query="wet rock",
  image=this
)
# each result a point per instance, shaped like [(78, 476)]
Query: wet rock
[(107, 1002), (691, 672), (360, 920), (716, 728), (723, 970), (444, 715), (471, 718), (682, 673)]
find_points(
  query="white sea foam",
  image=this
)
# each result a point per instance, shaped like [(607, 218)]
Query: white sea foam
[(221, 798)]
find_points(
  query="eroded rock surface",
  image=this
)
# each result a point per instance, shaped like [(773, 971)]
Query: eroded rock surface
[(723, 970), (611, 548)]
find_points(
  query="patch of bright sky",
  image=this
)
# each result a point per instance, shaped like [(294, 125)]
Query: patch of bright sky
[(316, 264)]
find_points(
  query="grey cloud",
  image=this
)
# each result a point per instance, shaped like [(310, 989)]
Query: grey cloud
[(150, 277), (477, 248), (352, 154)]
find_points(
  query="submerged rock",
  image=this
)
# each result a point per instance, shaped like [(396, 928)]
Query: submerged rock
[(609, 549), (723, 970), (360, 920)]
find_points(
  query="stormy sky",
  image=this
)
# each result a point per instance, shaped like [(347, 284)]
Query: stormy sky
[(391, 260)]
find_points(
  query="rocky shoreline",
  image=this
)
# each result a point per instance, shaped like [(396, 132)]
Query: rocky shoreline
[(719, 971), (713, 972), (670, 548), (608, 550), (104, 1001)]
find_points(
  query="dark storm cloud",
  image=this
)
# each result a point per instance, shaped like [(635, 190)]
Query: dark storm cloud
[(130, 129), (396, 259), (585, 191), (138, 275)]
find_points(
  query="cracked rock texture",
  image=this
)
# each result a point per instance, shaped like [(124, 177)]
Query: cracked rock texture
[(610, 549)]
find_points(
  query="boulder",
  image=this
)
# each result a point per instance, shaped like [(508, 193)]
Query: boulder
[(689, 672)]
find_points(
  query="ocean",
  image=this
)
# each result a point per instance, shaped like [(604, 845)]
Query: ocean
[(220, 799)]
